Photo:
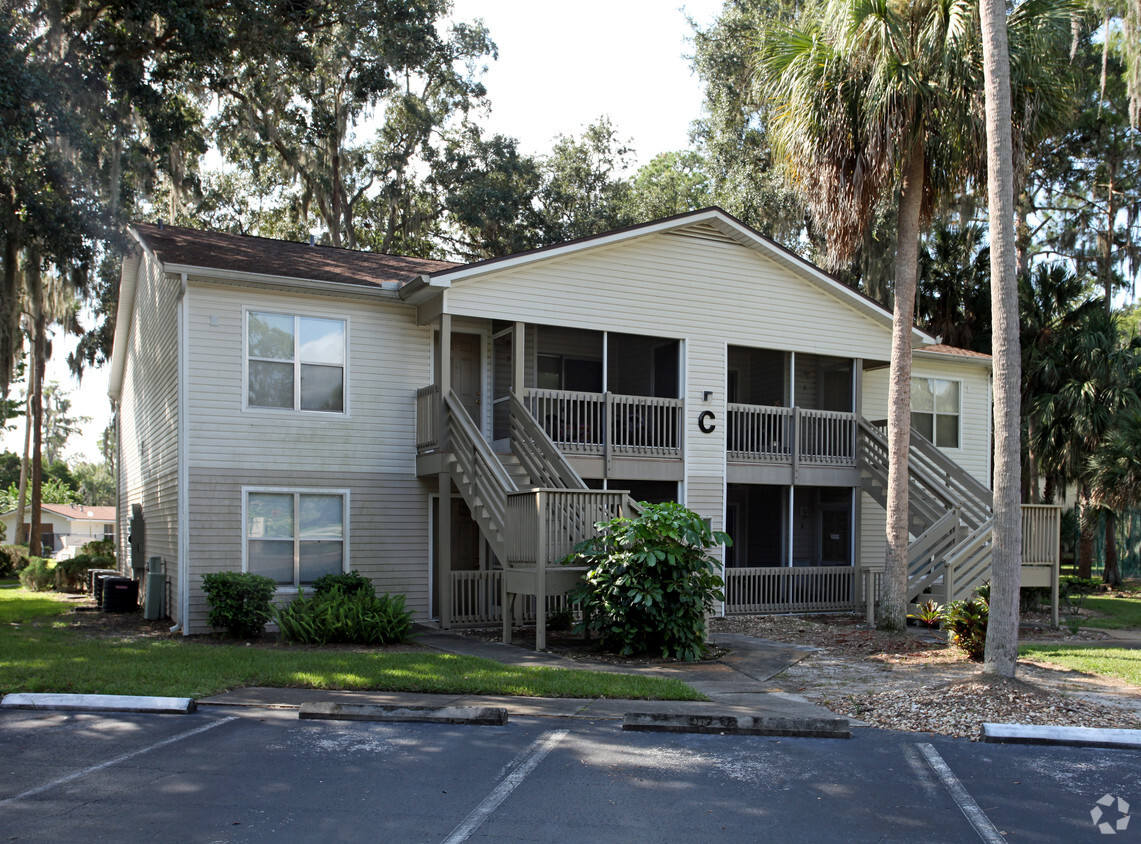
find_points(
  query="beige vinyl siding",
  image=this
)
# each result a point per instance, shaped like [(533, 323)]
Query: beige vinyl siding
[(369, 450), (672, 285), (387, 527), (148, 423), (974, 420)]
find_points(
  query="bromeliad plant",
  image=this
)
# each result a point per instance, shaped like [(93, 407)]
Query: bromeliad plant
[(651, 582), (929, 613)]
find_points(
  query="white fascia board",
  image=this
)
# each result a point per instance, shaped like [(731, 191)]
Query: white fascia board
[(422, 288), (309, 285)]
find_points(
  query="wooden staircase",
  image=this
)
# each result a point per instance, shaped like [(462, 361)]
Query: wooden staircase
[(949, 516)]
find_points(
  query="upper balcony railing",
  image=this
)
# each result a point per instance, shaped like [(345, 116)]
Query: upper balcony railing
[(758, 434), (602, 423)]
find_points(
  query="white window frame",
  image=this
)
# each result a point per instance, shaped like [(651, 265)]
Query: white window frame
[(296, 316), (935, 414), (296, 492)]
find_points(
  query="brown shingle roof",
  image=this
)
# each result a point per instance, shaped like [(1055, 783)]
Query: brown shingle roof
[(248, 254), (942, 349)]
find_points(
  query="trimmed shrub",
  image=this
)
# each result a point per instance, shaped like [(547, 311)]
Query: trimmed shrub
[(71, 575), (239, 602), (966, 622), (13, 559), (358, 618), (349, 583), (651, 582), (38, 575), (99, 548)]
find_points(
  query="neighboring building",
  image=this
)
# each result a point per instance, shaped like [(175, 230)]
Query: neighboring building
[(65, 527), (293, 410)]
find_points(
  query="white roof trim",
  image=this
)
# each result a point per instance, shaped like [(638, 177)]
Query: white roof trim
[(950, 357), (125, 316), (384, 290)]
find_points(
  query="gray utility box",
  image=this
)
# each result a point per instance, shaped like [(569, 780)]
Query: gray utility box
[(153, 604)]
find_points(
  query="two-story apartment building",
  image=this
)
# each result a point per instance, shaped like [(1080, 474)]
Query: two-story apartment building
[(293, 410)]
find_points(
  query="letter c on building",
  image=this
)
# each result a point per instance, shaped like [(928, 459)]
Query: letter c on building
[(705, 421)]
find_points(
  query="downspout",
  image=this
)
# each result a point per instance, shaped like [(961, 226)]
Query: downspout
[(182, 315)]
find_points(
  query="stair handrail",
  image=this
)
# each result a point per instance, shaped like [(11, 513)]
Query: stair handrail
[(474, 456), (924, 501), (971, 558), (927, 543), (540, 456)]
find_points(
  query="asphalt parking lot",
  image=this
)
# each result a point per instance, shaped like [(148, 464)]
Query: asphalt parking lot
[(227, 774)]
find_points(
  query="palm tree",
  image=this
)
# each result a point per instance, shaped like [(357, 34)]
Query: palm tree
[(1001, 655), (868, 97), (1115, 482), (1085, 383)]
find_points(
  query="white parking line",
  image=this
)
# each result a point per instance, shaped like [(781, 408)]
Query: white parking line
[(987, 831), (77, 774), (530, 760)]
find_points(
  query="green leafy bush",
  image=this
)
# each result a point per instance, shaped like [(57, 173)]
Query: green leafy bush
[(99, 548), (239, 602), (71, 575), (357, 617), (966, 621), (1030, 598), (38, 575), (348, 582), (13, 559), (651, 582)]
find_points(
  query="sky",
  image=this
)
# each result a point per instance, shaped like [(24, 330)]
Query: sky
[(561, 66)]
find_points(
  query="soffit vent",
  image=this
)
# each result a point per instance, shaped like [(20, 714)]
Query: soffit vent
[(704, 232)]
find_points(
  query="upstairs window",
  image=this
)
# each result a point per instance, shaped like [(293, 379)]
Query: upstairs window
[(935, 410), (295, 362)]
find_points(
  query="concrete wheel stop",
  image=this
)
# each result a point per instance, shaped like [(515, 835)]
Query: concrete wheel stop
[(737, 725), (99, 703), (489, 716), (1065, 736)]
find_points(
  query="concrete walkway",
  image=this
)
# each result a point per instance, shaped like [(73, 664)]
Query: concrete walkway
[(736, 684)]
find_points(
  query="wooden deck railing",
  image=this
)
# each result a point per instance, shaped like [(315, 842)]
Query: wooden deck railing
[(477, 600), (758, 434), (772, 589), (547, 524), (428, 418), (605, 423)]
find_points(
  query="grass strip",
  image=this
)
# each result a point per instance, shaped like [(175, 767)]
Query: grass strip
[(1123, 663), (1119, 613), (39, 653)]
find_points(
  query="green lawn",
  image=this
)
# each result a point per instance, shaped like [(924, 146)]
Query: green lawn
[(38, 653), (1122, 663), (1120, 613)]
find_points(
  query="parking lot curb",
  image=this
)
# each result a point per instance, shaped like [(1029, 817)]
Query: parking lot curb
[(1067, 736), (491, 716), (738, 725), (99, 703)]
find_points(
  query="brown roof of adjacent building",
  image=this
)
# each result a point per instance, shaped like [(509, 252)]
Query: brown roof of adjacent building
[(249, 254), (943, 349), (82, 511)]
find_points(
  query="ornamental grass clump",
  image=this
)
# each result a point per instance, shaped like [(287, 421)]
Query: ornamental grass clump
[(333, 615), (651, 582)]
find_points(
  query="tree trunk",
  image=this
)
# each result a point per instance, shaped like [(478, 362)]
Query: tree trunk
[(39, 345), (1001, 656), (1086, 522), (1112, 572), (893, 607), (21, 505)]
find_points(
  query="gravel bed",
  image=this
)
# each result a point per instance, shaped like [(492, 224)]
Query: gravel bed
[(917, 682)]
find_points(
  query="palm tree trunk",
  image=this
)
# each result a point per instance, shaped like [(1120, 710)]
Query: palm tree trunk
[(893, 605), (1086, 522), (1112, 572), (1001, 655)]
